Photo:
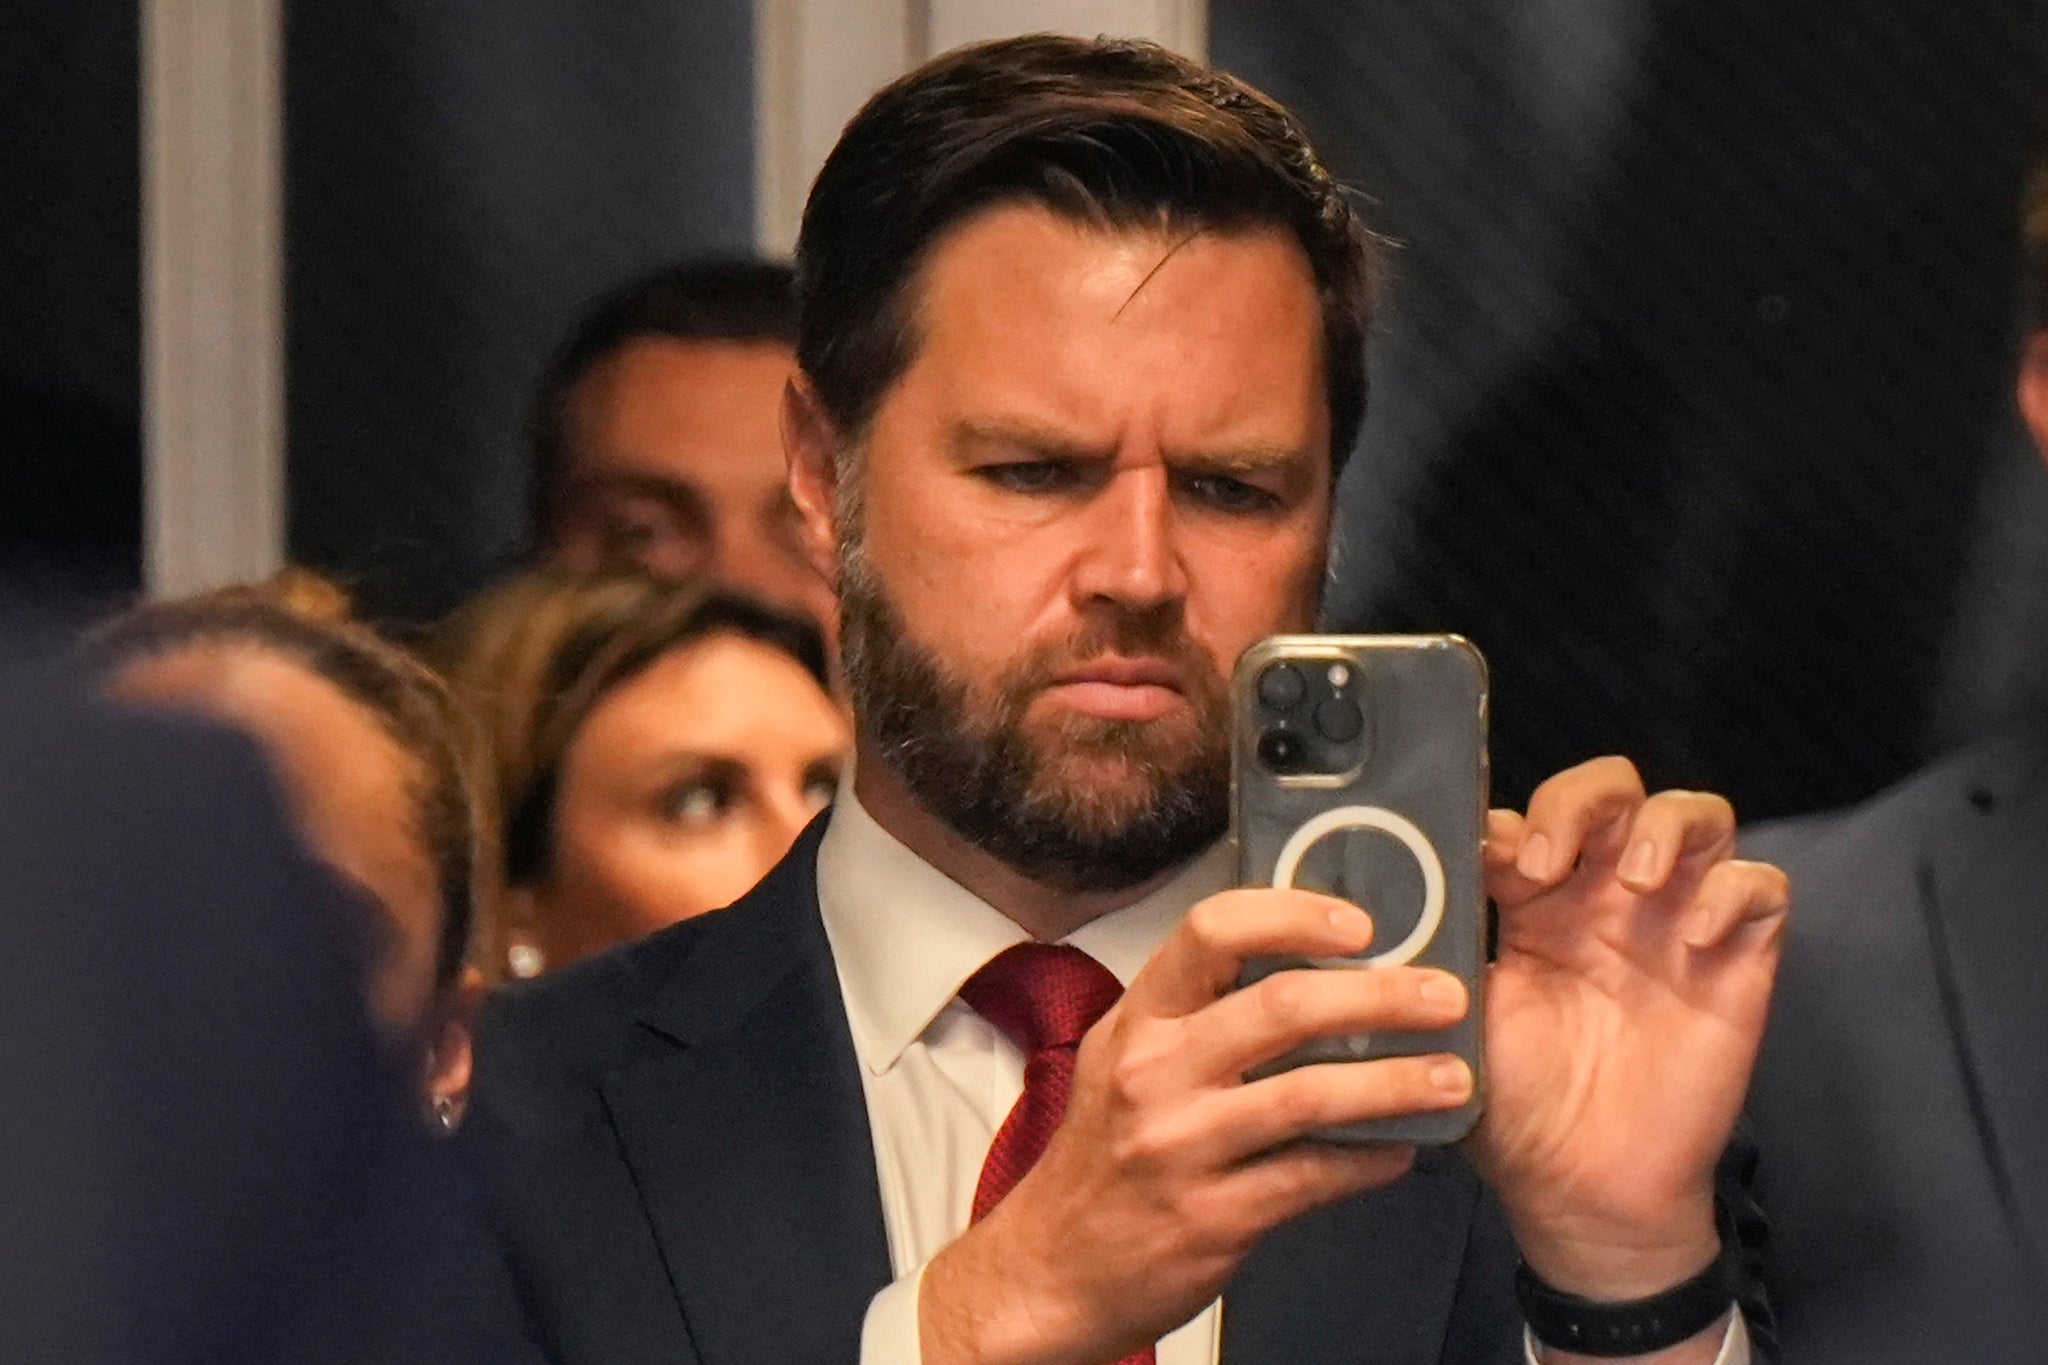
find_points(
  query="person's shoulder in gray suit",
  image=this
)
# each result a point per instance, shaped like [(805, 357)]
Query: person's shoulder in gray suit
[(1900, 1101)]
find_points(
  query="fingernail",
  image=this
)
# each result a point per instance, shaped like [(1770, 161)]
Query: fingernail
[(1450, 1076), (1353, 923), (1640, 863), (1535, 859), (1442, 990)]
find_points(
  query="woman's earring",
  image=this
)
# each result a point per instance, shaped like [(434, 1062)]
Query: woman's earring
[(524, 959), (443, 1110)]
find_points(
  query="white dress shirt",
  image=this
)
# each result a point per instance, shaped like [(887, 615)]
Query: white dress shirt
[(938, 1078)]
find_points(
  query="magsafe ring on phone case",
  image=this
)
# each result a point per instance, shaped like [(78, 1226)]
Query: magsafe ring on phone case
[(1342, 818)]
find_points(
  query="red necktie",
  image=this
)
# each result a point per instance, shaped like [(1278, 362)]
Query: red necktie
[(1043, 997)]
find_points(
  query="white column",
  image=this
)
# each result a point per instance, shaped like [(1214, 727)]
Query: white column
[(1179, 24), (816, 61), (212, 292)]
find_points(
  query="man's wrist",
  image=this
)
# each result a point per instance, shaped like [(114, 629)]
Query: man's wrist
[(977, 1306), (1614, 1264)]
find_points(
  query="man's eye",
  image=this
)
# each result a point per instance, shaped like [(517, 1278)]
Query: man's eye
[(635, 532), (1031, 476), (1227, 494), (630, 537)]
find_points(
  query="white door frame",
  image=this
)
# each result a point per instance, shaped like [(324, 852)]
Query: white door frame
[(817, 61), (212, 292)]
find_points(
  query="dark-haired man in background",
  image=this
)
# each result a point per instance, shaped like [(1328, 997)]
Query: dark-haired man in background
[(963, 1080), (1902, 1092), (653, 432)]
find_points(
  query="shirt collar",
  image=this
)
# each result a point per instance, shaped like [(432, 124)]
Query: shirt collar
[(905, 937)]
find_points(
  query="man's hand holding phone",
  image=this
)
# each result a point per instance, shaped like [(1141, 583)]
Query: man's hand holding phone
[(1624, 1013), (1169, 1165)]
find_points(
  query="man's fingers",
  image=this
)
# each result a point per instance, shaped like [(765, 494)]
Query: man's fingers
[(1200, 960), (1671, 828), (1278, 1186), (1574, 813), (1280, 1012), (1506, 831), (1275, 1110), (1733, 897)]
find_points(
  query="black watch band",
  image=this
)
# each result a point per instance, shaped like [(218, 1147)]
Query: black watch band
[(1636, 1327)]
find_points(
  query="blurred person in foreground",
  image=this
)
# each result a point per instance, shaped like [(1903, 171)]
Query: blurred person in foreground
[(654, 748), (1902, 1092), (963, 1079), (653, 434), (366, 745), (209, 1154)]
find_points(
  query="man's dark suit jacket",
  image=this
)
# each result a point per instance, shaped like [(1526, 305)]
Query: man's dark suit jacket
[(1901, 1101), (674, 1139)]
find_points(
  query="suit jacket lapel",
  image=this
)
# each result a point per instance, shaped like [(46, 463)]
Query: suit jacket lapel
[(1372, 1278), (1987, 899), (749, 1142)]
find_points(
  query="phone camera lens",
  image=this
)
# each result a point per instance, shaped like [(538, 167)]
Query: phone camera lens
[(1339, 720), (1281, 751), (1281, 686)]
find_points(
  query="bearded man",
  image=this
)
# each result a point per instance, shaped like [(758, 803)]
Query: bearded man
[(1080, 352)]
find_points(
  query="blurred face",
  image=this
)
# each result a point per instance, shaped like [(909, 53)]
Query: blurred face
[(1103, 476), (350, 786), (676, 468), (684, 785)]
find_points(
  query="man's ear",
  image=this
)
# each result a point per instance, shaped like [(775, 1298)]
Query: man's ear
[(810, 439), (2033, 389)]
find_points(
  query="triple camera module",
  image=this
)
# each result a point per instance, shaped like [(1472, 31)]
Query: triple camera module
[(1311, 720)]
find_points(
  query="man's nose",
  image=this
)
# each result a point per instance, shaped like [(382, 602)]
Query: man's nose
[(1132, 555)]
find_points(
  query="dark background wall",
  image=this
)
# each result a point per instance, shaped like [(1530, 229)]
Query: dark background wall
[(1696, 362), (70, 293), (459, 178)]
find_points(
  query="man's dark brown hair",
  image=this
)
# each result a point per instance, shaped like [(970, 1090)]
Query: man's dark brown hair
[(1115, 134), (715, 299)]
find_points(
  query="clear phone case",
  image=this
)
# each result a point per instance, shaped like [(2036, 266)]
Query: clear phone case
[(1359, 770)]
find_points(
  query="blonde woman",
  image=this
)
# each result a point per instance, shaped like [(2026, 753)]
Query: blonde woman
[(364, 742), (655, 748)]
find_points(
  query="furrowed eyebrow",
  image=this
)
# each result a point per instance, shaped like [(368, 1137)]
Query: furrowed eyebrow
[(974, 438), (1258, 459), (970, 438)]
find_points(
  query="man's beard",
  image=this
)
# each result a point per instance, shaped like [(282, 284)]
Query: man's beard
[(1076, 803)]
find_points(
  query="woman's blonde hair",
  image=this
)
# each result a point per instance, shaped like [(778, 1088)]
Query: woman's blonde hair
[(309, 620)]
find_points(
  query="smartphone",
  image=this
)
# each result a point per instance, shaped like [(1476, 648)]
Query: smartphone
[(1359, 770)]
